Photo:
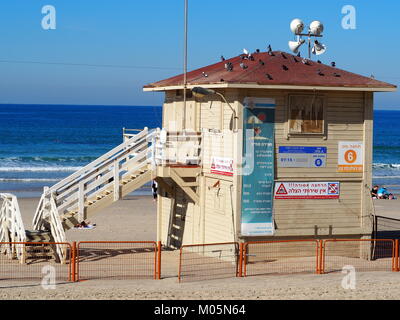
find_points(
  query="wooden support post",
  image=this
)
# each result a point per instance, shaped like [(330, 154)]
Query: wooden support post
[(181, 183), (81, 201), (116, 181)]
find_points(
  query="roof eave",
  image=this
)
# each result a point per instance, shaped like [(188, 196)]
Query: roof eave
[(275, 87)]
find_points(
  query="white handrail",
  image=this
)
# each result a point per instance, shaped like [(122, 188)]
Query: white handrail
[(11, 226), (91, 167), (71, 193)]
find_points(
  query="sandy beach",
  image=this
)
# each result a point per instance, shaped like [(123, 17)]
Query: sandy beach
[(134, 218)]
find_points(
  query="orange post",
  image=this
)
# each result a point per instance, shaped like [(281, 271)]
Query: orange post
[(241, 260), (180, 265), (396, 255), (321, 257), (73, 262), (245, 245), (159, 260)]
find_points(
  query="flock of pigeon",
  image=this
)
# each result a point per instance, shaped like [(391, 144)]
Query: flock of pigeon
[(247, 55)]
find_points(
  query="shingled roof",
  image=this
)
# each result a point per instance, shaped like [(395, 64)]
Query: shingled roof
[(276, 70)]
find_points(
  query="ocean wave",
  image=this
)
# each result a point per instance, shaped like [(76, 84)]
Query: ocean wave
[(386, 166), (39, 169), (48, 159), (28, 180), (386, 177)]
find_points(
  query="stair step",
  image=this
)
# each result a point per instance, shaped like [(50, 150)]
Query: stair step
[(39, 251), (124, 182), (70, 221), (38, 236)]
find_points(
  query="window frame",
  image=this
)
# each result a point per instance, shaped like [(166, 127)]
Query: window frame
[(305, 134)]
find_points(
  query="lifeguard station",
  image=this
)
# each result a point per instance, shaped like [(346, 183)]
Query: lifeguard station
[(267, 145), (276, 131)]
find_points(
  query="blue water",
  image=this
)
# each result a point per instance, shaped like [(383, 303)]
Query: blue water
[(386, 168), (39, 145)]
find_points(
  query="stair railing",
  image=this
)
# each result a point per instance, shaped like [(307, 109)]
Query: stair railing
[(11, 227), (102, 175)]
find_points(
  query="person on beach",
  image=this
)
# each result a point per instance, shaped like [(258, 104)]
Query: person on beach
[(85, 225), (374, 192), (154, 187), (383, 193)]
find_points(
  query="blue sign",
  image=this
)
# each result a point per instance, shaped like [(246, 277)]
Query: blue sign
[(318, 162), (298, 149), (302, 157), (258, 183)]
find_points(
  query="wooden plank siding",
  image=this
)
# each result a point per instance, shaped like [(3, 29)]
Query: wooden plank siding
[(219, 220), (216, 145), (344, 121), (348, 117)]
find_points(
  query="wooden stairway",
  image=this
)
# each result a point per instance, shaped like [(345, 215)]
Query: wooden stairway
[(112, 176), (38, 236), (42, 250), (105, 198)]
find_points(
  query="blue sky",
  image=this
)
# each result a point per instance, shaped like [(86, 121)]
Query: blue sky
[(149, 35)]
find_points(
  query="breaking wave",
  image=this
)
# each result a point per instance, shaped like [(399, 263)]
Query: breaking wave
[(28, 180), (39, 169), (386, 166), (46, 159)]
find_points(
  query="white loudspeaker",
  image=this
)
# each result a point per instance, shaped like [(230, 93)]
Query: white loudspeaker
[(295, 45), (318, 48), (316, 28), (297, 26)]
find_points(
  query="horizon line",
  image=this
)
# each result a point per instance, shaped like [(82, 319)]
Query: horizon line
[(69, 104), (386, 108)]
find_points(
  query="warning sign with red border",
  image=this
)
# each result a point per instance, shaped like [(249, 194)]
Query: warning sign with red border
[(223, 166), (307, 190)]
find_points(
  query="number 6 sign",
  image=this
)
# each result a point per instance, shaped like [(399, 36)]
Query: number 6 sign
[(350, 156)]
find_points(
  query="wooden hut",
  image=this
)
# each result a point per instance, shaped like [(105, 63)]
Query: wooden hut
[(282, 150)]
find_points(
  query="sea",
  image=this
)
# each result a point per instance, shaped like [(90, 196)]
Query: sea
[(42, 144)]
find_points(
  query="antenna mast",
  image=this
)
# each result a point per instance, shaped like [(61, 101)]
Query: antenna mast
[(185, 54)]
